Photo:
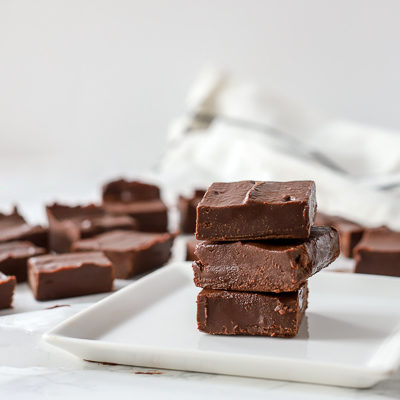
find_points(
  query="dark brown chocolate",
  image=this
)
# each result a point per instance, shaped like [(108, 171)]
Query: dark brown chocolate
[(69, 275), (131, 253), (69, 224), (14, 227), (378, 252), (187, 210), (125, 191), (140, 200), (256, 210), (14, 257), (264, 266), (350, 232), (7, 287), (190, 248), (223, 312), (151, 216)]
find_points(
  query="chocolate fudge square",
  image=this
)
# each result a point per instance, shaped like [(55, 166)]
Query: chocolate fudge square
[(14, 257), (69, 224), (264, 266), (350, 232), (378, 252), (223, 312), (14, 227), (140, 200), (131, 253), (7, 287), (187, 210), (58, 276), (256, 210)]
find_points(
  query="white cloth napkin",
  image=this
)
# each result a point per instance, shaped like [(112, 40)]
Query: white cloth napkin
[(235, 130)]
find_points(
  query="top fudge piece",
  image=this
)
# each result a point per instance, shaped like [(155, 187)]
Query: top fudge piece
[(140, 200), (69, 224), (256, 210), (378, 252), (350, 232), (14, 227), (264, 266)]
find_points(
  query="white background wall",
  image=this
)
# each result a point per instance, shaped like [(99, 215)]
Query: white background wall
[(87, 78)]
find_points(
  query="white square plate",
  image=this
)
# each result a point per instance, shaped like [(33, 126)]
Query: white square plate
[(350, 336)]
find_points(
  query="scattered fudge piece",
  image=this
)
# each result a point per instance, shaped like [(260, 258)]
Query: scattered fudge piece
[(57, 276), (7, 287), (14, 257), (378, 252), (252, 210), (69, 224), (264, 266), (14, 227), (140, 200), (350, 232), (131, 252), (190, 248), (187, 209), (223, 312)]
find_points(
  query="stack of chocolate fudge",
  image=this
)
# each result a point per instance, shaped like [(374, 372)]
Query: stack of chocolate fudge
[(259, 247)]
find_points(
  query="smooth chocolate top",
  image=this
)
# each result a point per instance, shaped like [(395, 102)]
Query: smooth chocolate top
[(13, 227), (246, 192), (122, 241), (380, 240), (54, 262), (125, 191), (90, 217), (256, 210), (19, 249)]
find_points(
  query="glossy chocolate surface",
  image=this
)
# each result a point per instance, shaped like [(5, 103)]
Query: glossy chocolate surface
[(14, 257), (69, 224), (140, 200), (222, 312), (264, 266), (131, 252), (125, 191), (256, 210), (378, 252), (350, 232), (68, 275)]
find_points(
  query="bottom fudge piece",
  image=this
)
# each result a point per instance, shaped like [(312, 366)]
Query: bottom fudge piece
[(14, 257), (69, 275), (7, 287), (378, 252), (222, 312), (190, 248), (350, 232), (131, 252)]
